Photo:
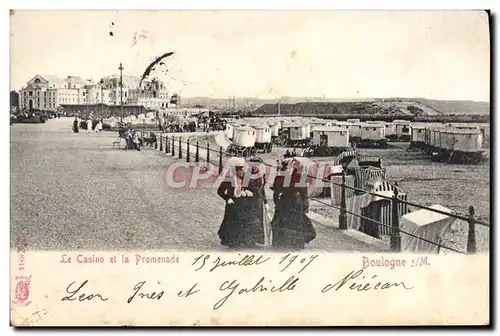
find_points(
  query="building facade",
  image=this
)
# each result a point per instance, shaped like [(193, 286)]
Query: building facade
[(49, 92), (14, 100)]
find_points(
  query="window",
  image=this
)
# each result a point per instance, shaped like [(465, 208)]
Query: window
[(31, 94)]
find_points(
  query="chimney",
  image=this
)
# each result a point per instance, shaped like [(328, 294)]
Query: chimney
[(278, 107)]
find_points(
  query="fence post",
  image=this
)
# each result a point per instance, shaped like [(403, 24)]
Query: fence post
[(161, 143), (167, 144), (173, 146), (208, 152), (471, 238), (197, 155), (188, 152), (343, 210), (180, 148), (220, 160), (395, 234)]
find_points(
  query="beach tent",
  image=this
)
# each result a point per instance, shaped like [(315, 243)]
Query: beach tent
[(425, 224)]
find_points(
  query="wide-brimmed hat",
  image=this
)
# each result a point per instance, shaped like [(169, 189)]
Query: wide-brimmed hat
[(236, 162)]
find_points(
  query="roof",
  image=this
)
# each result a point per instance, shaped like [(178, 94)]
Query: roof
[(130, 82), (320, 121), (53, 79), (328, 129), (244, 128), (261, 126), (373, 125), (467, 131), (77, 80), (296, 124)]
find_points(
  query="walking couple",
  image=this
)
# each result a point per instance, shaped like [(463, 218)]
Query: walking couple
[(243, 223)]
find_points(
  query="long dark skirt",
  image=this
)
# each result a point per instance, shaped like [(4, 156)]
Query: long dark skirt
[(291, 228), (242, 225), (75, 127)]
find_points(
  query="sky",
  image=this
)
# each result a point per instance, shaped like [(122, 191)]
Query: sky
[(265, 54)]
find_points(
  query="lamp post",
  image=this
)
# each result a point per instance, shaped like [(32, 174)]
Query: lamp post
[(121, 91), (101, 82)]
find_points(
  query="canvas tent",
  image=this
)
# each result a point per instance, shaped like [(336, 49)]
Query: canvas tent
[(425, 224)]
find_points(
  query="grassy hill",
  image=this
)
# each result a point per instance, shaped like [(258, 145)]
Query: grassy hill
[(319, 105)]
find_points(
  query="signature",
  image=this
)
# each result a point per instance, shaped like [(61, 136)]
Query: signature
[(263, 285), (82, 296), (365, 285)]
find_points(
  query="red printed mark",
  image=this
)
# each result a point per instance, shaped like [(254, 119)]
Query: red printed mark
[(22, 291)]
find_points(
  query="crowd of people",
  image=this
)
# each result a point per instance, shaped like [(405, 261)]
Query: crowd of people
[(246, 206)]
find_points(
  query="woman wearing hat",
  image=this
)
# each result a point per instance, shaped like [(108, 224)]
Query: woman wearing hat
[(242, 225), (291, 228)]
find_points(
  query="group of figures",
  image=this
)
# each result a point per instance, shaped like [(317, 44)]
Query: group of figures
[(89, 124), (177, 127), (131, 136), (246, 205)]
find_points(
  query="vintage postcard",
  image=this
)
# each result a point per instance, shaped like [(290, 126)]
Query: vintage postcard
[(249, 168)]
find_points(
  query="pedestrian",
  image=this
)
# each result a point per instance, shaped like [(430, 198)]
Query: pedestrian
[(259, 205), (242, 226), (75, 125), (291, 228), (98, 127), (89, 126)]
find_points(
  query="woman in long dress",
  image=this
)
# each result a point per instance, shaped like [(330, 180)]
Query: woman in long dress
[(75, 125), (242, 226), (258, 182), (291, 228)]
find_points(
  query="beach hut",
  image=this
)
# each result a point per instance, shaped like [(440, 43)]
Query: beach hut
[(230, 129), (468, 140), (263, 138), (275, 129), (330, 137), (243, 142), (424, 224), (418, 138), (373, 132), (390, 131), (403, 129), (373, 136), (299, 135), (355, 132)]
